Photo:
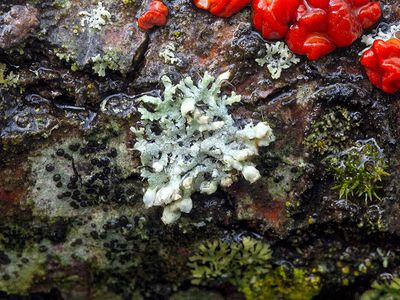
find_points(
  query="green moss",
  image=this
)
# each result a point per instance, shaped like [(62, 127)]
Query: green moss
[(330, 134), (359, 170), (283, 284), (217, 262), (383, 291)]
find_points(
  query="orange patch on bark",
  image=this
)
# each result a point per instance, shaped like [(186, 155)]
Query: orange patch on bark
[(13, 184), (10, 196), (273, 212)]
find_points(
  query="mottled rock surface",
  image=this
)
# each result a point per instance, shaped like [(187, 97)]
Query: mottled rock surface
[(72, 221), (102, 34), (17, 24)]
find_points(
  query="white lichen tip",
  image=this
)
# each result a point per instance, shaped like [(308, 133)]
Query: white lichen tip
[(190, 143), (251, 174)]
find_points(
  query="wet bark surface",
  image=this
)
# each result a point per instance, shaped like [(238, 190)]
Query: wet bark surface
[(68, 101)]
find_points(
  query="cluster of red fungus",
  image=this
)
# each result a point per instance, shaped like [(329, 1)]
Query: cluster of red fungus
[(317, 27), (313, 28), (320, 26)]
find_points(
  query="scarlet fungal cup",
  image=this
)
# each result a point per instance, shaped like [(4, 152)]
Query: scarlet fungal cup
[(382, 64), (156, 15), (319, 27), (222, 8)]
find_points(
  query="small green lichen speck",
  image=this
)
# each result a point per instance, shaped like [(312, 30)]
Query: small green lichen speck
[(66, 55), (330, 134), (358, 170), (7, 81), (217, 261), (109, 60), (383, 291), (285, 284), (126, 2), (61, 4), (189, 142)]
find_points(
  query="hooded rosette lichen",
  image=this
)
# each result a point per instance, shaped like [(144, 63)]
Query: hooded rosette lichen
[(190, 143), (239, 263)]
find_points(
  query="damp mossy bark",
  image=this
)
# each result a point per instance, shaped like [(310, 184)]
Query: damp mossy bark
[(359, 170), (96, 240), (332, 132)]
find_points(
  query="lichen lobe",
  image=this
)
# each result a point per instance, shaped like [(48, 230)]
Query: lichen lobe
[(190, 143)]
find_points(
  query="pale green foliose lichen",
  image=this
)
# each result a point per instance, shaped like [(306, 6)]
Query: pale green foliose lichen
[(108, 61), (167, 53), (95, 18), (383, 291), (239, 263), (190, 143), (278, 57)]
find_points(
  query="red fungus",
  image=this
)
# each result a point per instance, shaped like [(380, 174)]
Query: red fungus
[(320, 26), (156, 15), (311, 27), (273, 17), (222, 8), (382, 64)]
